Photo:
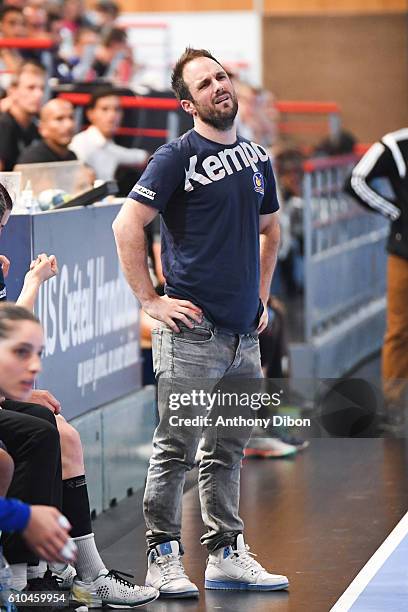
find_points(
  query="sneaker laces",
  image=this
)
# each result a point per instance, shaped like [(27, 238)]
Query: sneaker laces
[(118, 576), (246, 559), (171, 566)]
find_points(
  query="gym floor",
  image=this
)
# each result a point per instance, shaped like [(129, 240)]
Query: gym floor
[(318, 518)]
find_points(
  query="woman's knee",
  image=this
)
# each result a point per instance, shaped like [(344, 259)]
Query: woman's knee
[(69, 436), (71, 449)]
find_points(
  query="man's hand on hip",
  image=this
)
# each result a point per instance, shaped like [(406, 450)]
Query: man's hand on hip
[(167, 309), (263, 321)]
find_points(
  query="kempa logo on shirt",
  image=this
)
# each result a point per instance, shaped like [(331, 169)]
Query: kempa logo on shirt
[(226, 162), (144, 191)]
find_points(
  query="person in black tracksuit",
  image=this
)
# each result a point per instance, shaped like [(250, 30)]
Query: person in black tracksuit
[(388, 158)]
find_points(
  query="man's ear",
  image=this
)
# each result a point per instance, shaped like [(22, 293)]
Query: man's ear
[(88, 114), (188, 107)]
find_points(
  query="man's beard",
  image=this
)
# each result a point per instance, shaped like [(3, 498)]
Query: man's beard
[(220, 120)]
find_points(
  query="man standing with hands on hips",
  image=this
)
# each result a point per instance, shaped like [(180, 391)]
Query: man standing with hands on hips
[(216, 194)]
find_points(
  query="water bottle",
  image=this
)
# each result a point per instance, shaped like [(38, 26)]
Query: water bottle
[(6, 576), (28, 203)]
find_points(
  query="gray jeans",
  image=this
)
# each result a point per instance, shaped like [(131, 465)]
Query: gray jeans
[(180, 359)]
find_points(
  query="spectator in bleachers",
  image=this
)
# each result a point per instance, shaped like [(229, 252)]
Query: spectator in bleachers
[(339, 143), (268, 119), (85, 35), (81, 55), (95, 147), (12, 25), (18, 3), (36, 19), (114, 57), (289, 269), (257, 115), (73, 14), (17, 125), (247, 110), (104, 15), (56, 128)]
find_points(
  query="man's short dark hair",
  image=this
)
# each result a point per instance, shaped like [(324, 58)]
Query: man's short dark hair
[(102, 92), (6, 203), (9, 9), (178, 84), (29, 65)]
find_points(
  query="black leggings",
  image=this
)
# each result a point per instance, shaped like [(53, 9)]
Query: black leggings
[(30, 434)]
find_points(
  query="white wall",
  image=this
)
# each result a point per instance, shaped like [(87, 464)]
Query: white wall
[(231, 37)]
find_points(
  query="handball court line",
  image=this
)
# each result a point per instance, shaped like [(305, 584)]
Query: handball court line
[(373, 565)]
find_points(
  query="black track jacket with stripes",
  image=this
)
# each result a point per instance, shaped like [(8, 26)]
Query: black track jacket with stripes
[(387, 158)]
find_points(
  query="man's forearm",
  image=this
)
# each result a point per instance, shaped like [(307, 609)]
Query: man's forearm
[(269, 246), (132, 252)]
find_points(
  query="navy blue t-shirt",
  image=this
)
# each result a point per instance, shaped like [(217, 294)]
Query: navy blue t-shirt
[(210, 197)]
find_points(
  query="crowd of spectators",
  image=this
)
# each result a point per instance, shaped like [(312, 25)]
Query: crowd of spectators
[(86, 43), (87, 47)]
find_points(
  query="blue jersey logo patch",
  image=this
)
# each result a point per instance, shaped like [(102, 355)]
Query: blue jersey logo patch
[(259, 183)]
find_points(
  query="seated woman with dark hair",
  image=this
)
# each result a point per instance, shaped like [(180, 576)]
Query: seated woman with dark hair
[(30, 462), (27, 437)]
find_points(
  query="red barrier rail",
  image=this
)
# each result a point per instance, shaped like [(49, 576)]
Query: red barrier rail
[(149, 132), (27, 43), (82, 99)]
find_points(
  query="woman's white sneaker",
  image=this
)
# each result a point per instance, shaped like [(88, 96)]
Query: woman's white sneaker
[(234, 569), (65, 576), (111, 589), (166, 572)]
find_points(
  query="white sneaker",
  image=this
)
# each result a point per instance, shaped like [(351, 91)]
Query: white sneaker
[(234, 569), (266, 448), (166, 572), (110, 589), (65, 577)]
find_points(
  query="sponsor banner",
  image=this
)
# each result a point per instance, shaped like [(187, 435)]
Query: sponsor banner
[(89, 314)]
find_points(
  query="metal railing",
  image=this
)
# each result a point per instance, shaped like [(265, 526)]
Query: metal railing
[(344, 260), (344, 275), (171, 105), (298, 117)]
